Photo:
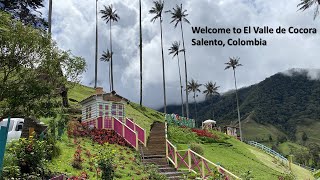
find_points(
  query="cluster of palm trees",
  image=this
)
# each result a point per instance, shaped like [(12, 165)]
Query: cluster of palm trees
[(211, 89), (178, 16)]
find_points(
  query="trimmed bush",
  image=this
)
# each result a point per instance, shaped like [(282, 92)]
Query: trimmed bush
[(197, 148)]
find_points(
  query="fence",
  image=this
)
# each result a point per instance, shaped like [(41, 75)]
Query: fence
[(180, 121), (142, 137), (130, 131), (269, 151), (193, 162)]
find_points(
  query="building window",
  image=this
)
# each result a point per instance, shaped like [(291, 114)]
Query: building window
[(100, 106), (89, 112), (106, 107)]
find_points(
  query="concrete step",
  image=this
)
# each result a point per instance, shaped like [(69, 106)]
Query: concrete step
[(170, 174), (154, 156), (167, 169)]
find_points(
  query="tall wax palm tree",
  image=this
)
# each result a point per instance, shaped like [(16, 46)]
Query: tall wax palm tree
[(106, 57), (210, 91), (109, 15), (193, 86), (178, 16), (157, 10), (175, 49), (96, 50), (306, 4), (234, 63), (140, 47), (50, 17)]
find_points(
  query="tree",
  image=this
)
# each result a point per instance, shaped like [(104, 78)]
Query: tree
[(96, 50), (178, 16), (234, 63), (50, 16), (106, 56), (109, 15), (25, 11), (194, 87), (306, 4), (29, 75), (211, 90), (175, 49), (157, 10), (140, 48)]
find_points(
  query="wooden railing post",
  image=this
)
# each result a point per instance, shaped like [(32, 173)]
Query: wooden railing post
[(175, 158), (123, 134), (202, 168), (167, 148), (137, 143), (189, 159), (145, 138), (112, 123)]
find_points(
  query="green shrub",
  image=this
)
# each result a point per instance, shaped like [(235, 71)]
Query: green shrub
[(30, 155), (10, 168), (197, 148), (105, 162)]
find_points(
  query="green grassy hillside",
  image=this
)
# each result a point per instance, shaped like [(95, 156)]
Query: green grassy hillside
[(236, 156), (232, 154)]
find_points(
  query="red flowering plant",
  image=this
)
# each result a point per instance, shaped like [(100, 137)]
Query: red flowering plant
[(100, 136), (205, 135), (77, 160)]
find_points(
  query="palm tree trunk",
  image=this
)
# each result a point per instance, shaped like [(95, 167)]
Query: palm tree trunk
[(195, 106), (140, 55), (235, 84), (180, 86), (50, 17), (163, 75), (96, 50), (110, 77), (186, 74), (212, 108), (112, 88)]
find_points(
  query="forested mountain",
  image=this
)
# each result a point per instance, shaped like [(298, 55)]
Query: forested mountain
[(284, 101)]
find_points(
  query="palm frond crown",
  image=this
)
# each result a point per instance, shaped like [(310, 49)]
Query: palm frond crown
[(233, 63), (178, 15), (106, 56), (175, 49), (193, 86), (211, 89), (157, 10), (306, 4), (109, 14)]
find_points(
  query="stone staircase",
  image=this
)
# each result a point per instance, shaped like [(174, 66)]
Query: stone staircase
[(155, 152)]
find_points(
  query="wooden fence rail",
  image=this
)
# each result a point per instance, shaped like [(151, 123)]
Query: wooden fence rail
[(269, 151), (194, 162)]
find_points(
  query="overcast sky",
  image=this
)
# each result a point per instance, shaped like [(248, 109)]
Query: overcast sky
[(74, 28)]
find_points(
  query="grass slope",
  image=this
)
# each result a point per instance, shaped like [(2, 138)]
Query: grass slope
[(259, 132), (127, 167), (236, 156)]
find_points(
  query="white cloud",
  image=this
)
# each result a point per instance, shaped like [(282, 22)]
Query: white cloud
[(74, 29)]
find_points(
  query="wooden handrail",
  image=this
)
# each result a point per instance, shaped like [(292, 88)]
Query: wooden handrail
[(174, 162)]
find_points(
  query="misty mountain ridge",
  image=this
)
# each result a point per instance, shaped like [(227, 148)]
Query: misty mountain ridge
[(286, 100)]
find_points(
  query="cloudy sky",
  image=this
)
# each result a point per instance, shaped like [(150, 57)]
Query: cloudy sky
[(74, 29)]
